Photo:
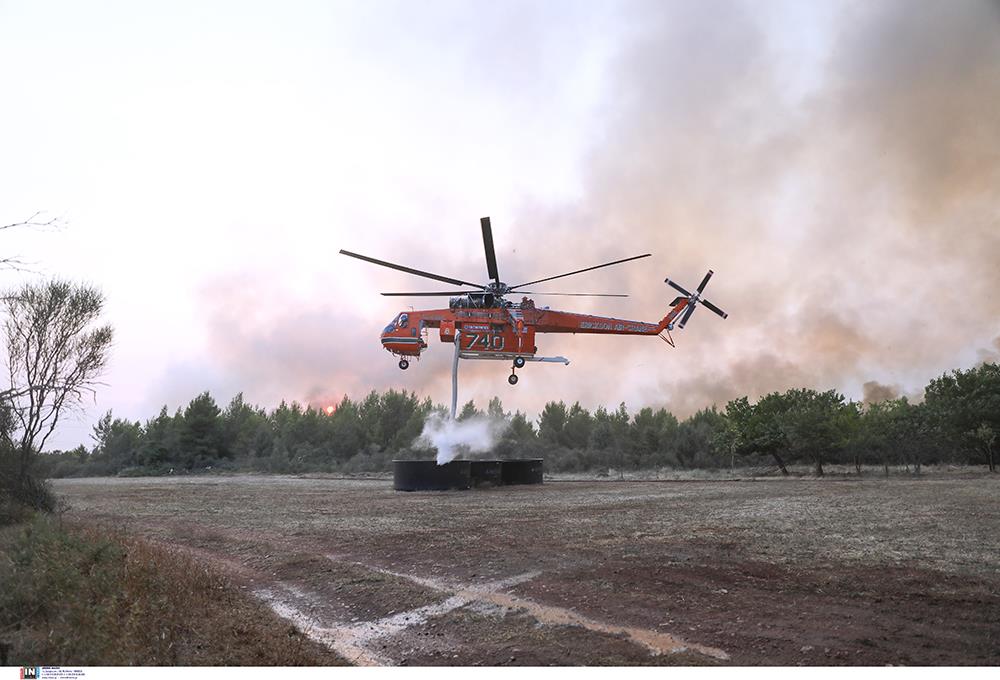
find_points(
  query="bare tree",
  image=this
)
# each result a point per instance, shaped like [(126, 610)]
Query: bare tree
[(55, 353)]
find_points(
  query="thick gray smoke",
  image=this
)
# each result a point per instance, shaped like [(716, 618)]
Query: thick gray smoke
[(850, 209), (874, 392), (843, 183)]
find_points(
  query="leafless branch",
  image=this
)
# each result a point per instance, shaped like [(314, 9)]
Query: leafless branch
[(37, 221)]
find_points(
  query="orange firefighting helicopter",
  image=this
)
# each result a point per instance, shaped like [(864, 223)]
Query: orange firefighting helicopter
[(484, 325)]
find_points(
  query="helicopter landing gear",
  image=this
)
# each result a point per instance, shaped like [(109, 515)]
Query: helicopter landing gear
[(404, 364), (518, 363)]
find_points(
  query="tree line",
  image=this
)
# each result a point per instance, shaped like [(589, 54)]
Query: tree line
[(957, 422)]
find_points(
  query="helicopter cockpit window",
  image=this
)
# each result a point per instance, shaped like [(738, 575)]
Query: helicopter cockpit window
[(403, 320), (392, 325)]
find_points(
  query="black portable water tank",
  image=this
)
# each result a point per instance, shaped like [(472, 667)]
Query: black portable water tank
[(521, 471), (486, 473), (427, 475)]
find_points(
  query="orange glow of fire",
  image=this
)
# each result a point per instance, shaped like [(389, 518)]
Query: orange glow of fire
[(330, 410)]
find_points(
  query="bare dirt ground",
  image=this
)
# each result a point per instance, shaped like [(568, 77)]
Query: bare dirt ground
[(783, 572)]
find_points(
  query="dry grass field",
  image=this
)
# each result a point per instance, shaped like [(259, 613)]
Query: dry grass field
[(782, 571)]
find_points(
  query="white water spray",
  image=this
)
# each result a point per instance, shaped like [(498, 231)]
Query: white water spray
[(452, 437)]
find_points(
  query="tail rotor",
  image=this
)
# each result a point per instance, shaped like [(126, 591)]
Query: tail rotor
[(693, 299)]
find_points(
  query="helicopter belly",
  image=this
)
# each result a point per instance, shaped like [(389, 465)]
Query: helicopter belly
[(407, 346)]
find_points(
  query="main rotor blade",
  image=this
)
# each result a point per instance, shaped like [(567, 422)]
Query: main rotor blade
[(687, 315), (435, 293), (678, 286), (531, 292), (704, 281), (580, 271), (714, 308), (491, 256), (415, 272)]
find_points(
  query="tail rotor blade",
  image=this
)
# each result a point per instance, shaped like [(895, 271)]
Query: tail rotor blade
[(687, 315), (704, 281), (678, 287), (714, 308), (491, 256)]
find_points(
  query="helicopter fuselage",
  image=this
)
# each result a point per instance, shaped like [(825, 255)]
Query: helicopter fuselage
[(508, 329)]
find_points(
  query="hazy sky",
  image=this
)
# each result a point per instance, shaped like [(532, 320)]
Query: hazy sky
[(837, 165)]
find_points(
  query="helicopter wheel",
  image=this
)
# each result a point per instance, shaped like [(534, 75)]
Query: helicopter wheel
[(404, 364), (512, 379), (519, 362)]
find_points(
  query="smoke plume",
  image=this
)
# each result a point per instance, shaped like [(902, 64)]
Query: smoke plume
[(875, 392), (838, 167), (848, 205)]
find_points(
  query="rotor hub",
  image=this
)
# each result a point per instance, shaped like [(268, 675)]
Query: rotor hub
[(498, 288)]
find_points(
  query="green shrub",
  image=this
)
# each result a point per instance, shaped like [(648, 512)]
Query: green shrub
[(83, 597)]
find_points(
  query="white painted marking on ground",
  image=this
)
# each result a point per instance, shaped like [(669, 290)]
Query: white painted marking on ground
[(655, 641), (340, 639), (354, 641)]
